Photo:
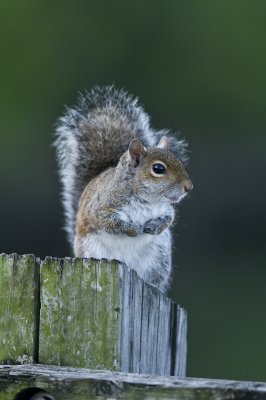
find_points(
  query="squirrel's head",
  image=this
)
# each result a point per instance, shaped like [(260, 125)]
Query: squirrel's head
[(158, 174)]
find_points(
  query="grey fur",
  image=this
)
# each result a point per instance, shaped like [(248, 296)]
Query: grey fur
[(93, 135)]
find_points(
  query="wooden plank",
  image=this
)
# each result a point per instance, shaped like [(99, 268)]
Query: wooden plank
[(99, 314), (79, 303), (179, 341), (80, 384), (19, 308), (153, 329)]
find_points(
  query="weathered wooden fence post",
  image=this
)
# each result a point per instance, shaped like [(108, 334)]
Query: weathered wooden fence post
[(98, 315), (93, 314)]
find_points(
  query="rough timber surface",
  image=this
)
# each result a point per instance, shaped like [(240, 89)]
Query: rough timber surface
[(79, 313), (81, 384), (19, 308), (100, 315), (90, 314)]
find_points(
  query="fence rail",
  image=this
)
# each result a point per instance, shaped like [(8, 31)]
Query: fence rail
[(62, 383)]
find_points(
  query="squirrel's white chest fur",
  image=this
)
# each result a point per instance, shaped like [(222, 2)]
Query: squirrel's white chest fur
[(140, 253), (140, 212)]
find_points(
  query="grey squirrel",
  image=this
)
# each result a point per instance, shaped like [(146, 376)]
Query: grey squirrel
[(121, 179)]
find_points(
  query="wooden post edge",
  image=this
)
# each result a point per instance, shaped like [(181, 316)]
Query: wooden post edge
[(63, 383)]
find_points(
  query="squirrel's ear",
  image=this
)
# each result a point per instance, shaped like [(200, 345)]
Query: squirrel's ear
[(136, 151), (164, 143)]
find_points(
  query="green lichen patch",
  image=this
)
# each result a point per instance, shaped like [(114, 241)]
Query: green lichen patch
[(79, 318), (19, 300)]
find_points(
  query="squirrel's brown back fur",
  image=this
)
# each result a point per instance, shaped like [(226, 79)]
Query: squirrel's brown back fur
[(93, 135)]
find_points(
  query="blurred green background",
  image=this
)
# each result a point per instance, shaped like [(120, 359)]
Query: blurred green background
[(198, 67)]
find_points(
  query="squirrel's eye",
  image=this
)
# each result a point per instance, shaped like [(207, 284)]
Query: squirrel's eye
[(158, 169)]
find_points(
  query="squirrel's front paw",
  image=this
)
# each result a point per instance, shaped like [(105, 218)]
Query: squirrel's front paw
[(158, 225), (134, 230)]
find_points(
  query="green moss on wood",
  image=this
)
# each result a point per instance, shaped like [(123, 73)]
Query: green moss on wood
[(19, 314), (93, 314), (81, 384), (79, 320)]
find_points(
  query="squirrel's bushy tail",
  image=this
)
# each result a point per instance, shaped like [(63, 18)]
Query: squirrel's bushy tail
[(93, 135)]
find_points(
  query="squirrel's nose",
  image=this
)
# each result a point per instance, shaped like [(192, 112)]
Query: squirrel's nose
[(187, 186)]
